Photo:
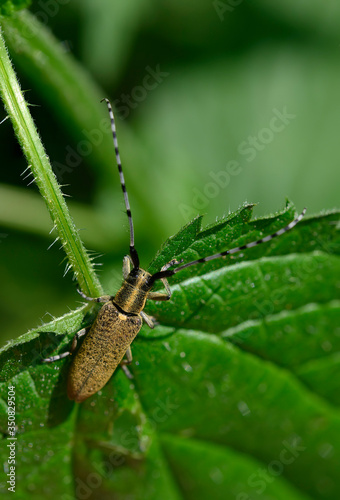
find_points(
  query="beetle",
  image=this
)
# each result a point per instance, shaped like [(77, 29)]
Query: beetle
[(121, 316)]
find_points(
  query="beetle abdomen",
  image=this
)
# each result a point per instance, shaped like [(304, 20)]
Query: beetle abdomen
[(101, 352)]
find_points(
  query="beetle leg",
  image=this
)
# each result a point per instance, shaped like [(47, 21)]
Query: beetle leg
[(161, 295), (125, 362), (128, 355), (127, 261), (148, 319), (167, 295), (102, 298), (73, 347)]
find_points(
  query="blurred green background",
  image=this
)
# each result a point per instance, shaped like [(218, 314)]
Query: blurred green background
[(217, 103)]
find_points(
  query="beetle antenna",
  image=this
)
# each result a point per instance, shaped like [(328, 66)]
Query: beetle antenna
[(171, 272), (133, 251)]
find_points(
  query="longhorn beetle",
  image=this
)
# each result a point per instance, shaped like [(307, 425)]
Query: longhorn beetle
[(121, 316)]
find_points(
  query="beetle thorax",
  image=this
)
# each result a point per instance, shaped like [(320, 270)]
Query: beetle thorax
[(133, 293)]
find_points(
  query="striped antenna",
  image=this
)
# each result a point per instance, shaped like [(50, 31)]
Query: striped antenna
[(133, 251), (171, 272)]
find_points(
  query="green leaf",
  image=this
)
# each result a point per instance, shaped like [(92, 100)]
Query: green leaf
[(182, 457), (232, 394), (119, 23), (7, 7)]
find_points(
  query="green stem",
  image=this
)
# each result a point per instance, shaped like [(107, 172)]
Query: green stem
[(44, 177), (66, 88)]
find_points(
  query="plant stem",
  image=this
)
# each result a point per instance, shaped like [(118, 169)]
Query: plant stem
[(43, 175)]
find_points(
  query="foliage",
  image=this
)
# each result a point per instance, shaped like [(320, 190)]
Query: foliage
[(253, 343), (235, 393)]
